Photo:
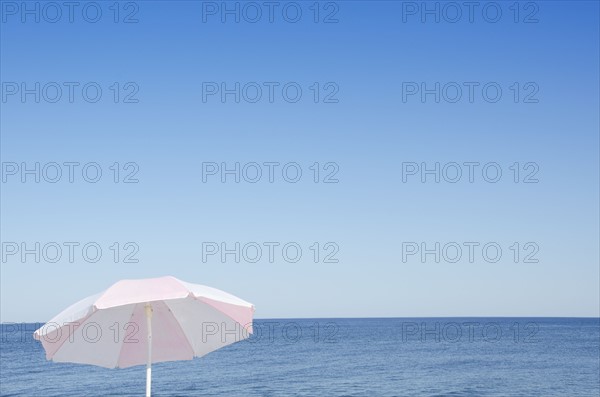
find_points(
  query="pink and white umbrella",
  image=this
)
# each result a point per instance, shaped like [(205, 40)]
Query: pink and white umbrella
[(146, 321)]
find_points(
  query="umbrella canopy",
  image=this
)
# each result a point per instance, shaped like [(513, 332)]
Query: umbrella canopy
[(146, 321)]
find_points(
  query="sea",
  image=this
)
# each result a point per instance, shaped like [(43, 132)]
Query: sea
[(342, 357)]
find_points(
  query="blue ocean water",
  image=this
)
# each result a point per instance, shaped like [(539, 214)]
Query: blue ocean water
[(343, 357)]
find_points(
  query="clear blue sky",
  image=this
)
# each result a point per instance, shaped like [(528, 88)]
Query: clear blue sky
[(374, 55)]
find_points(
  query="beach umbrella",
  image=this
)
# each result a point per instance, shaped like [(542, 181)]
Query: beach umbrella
[(146, 321)]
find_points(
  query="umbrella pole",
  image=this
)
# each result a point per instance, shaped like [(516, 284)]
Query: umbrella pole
[(148, 308)]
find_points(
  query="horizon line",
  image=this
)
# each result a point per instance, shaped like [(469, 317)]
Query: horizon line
[(379, 318)]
